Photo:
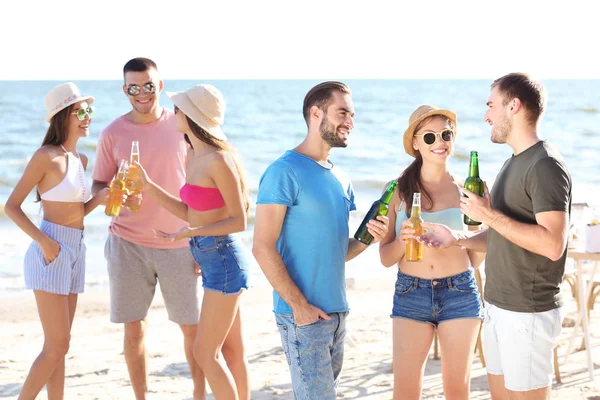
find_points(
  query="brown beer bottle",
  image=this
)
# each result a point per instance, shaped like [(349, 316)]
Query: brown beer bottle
[(116, 191), (414, 249)]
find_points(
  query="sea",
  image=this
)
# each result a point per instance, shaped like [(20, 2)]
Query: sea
[(264, 118)]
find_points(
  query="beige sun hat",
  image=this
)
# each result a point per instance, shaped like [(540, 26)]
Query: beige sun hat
[(204, 104), (62, 97), (419, 115)]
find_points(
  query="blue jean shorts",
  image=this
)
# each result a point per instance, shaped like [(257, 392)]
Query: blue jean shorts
[(437, 300), (314, 353), (224, 261)]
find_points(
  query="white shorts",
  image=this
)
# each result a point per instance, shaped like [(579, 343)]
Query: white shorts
[(520, 346)]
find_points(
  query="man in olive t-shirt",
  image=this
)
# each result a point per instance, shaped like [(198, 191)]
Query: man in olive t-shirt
[(531, 182), (527, 219)]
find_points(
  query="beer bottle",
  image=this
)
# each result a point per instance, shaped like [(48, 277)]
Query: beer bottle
[(117, 190), (379, 207), (134, 182), (414, 249), (473, 183)]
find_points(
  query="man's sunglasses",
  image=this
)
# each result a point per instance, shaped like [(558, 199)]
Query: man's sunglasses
[(430, 137), (134, 90), (82, 112)]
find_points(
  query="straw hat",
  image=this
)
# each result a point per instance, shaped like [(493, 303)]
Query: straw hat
[(416, 117), (62, 97), (204, 104)]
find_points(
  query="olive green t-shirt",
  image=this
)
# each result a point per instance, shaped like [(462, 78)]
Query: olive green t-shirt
[(534, 181)]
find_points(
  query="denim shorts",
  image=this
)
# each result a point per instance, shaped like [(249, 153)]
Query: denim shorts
[(224, 261), (314, 353), (437, 300)]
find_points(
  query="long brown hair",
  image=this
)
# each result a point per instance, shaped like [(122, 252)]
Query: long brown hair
[(223, 145), (409, 181), (57, 133)]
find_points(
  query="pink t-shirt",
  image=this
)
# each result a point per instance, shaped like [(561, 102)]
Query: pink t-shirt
[(162, 154)]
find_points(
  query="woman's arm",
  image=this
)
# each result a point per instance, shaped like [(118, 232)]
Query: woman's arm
[(32, 176), (171, 203)]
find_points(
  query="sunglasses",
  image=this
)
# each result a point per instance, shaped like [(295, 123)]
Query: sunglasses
[(175, 109), (82, 112), (134, 90), (430, 137)]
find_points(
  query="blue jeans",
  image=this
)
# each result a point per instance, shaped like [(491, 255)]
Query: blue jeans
[(224, 262), (437, 300), (314, 353)]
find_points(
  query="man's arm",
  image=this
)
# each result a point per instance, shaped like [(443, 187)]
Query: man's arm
[(548, 185), (378, 228), (547, 238), (354, 248), (267, 228)]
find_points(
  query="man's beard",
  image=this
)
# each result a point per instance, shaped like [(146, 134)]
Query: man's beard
[(329, 134), (500, 132)]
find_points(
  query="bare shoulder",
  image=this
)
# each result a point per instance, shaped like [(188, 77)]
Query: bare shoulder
[(222, 158), (84, 160), (47, 153)]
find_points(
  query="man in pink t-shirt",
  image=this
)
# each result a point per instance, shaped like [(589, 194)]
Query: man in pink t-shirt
[(136, 258)]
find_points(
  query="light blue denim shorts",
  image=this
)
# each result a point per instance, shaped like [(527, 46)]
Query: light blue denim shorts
[(224, 261), (437, 300), (314, 353)]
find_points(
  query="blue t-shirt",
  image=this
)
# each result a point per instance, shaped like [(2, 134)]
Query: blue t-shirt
[(314, 237)]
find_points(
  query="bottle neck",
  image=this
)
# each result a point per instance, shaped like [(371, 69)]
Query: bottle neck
[(386, 197), (474, 167), (415, 212)]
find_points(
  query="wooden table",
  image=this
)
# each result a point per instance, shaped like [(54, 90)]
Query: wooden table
[(580, 256)]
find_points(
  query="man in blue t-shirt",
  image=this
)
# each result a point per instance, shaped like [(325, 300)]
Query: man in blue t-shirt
[(301, 242)]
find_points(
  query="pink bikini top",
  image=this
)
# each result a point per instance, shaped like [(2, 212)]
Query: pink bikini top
[(201, 198)]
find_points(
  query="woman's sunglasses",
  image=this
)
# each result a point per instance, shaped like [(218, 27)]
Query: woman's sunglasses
[(82, 112), (430, 137), (175, 109), (134, 90)]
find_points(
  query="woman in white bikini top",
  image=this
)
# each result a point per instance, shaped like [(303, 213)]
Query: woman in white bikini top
[(55, 262)]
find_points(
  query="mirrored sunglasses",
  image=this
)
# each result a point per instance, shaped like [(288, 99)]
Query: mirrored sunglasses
[(82, 112), (430, 137), (134, 90)]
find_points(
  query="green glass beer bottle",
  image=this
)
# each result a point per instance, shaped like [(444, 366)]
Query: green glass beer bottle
[(379, 207), (473, 183)]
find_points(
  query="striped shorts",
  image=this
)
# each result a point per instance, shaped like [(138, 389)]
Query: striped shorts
[(66, 273)]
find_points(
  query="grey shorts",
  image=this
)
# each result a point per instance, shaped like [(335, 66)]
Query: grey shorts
[(134, 270), (66, 273)]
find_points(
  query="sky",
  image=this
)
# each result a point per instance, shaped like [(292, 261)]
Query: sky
[(305, 39)]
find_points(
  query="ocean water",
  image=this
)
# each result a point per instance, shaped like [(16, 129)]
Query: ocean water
[(264, 118)]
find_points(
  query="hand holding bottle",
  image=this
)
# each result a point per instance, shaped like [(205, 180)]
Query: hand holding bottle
[(476, 207), (407, 231), (143, 175), (378, 228)]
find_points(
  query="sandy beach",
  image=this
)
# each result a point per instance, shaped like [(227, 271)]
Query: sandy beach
[(96, 368)]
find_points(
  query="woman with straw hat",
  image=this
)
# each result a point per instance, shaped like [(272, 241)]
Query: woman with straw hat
[(438, 292), (215, 202), (55, 261)]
